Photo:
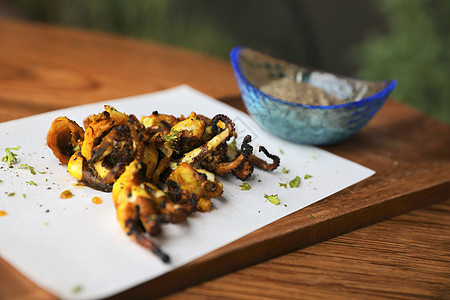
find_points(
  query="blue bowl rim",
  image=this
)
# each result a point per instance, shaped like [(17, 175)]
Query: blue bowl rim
[(234, 56)]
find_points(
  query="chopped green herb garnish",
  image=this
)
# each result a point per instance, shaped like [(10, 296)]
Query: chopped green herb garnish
[(283, 185), (312, 217), (273, 198), (245, 186), (77, 147), (233, 145), (42, 172), (24, 196), (11, 194), (307, 176), (285, 171), (45, 223), (76, 289), (25, 166), (31, 183), (281, 151), (10, 157), (1, 180), (294, 182), (171, 139)]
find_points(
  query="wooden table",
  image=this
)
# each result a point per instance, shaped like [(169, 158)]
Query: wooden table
[(43, 68)]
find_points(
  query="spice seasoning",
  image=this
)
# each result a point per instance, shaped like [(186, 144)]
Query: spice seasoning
[(299, 92)]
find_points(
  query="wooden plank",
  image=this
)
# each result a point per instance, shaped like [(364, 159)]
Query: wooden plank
[(407, 257), (44, 68)]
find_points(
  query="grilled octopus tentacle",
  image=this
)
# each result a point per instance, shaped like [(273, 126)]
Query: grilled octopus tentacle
[(264, 165), (246, 152), (141, 207), (137, 231), (221, 124)]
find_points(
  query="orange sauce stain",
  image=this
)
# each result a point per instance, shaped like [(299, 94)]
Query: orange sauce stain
[(96, 200), (2, 213), (66, 194)]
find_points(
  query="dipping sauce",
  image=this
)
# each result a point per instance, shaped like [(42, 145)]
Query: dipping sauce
[(299, 92), (66, 194), (96, 200)]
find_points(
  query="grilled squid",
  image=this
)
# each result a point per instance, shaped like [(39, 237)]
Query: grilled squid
[(193, 188), (64, 137), (159, 169), (142, 207)]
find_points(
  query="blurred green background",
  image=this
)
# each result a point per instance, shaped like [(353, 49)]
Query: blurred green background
[(406, 40)]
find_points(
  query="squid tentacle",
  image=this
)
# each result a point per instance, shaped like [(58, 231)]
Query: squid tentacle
[(137, 231), (221, 124), (246, 152), (264, 165)]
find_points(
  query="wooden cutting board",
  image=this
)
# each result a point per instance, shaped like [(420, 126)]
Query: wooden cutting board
[(44, 68)]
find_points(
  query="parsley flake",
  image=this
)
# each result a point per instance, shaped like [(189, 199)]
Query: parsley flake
[(245, 186), (11, 194), (283, 185), (24, 196), (31, 183), (233, 145), (76, 289), (307, 176), (294, 182), (312, 217), (171, 139), (281, 151), (273, 198), (10, 157), (25, 166), (285, 171)]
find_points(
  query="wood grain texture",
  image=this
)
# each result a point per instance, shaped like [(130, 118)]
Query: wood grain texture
[(407, 257), (44, 68)]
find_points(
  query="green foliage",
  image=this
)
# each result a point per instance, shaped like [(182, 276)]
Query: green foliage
[(169, 21), (212, 27), (415, 51)]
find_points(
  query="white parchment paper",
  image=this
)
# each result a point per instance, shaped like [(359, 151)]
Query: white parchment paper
[(76, 249)]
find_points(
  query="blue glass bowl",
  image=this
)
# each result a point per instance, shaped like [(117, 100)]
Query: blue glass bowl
[(301, 123)]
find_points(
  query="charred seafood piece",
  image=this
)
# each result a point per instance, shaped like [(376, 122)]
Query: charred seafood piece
[(159, 169), (141, 207), (111, 141), (64, 137), (193, 188)]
